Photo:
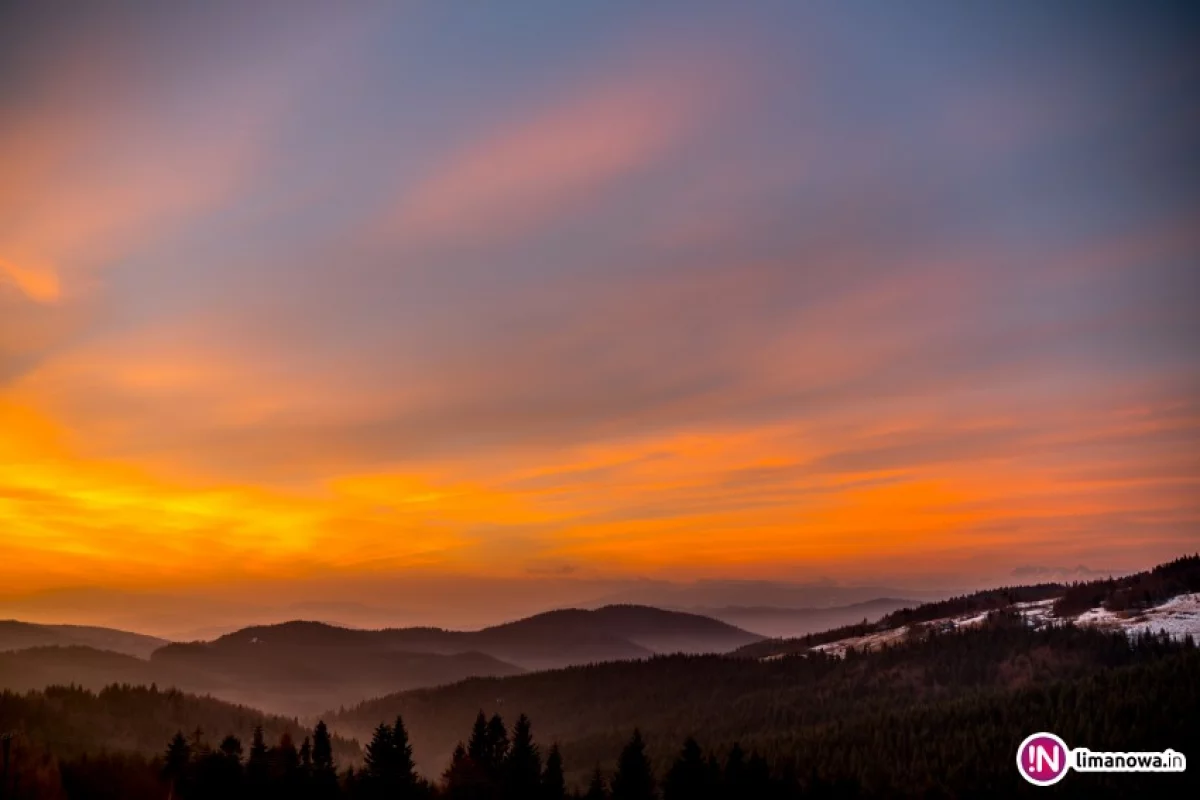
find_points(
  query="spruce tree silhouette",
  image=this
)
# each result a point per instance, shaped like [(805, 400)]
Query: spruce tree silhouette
[(404, 769), (597, 788), (289, 757), (476, 775), (458, 776), (689, 777), (199, 748), (324, 778), (497, 737), (634, 779), (734, 777), (258, 765), (522, 773), (554, 786), (322, 748), (175, 765), (286, 766), (478, 747), (379, 763)]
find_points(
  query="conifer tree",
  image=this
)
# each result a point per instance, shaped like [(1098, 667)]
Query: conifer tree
[(287, 763), (325, 781), (175, 765), (456, 776), (554, 786), (289, 757), (478, 747), (689, 776), (634, 779), (403, 768), (198, 746), (597, 789), (379, 758), (523, 766), (322, 751), (257, 765), (497, 737), (734, 777)]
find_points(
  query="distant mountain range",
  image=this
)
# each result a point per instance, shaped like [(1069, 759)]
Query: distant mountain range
[(306, 667), (180, 615)]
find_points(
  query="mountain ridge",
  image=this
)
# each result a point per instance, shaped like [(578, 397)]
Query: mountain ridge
[(18, 635)]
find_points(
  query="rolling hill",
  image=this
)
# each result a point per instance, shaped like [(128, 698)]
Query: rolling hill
[(307, 667), (285, 680), (16, 635), (558, 638)]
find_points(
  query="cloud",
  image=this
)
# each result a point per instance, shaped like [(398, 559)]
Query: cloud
[(39, 284), (524, 173)]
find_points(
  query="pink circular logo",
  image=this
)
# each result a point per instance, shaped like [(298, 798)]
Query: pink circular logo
[(1042, 759)]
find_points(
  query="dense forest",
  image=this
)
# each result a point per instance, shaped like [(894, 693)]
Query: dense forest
[(587, 709), (1140, 590), (958, 747)]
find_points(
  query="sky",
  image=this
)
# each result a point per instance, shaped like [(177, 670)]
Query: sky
[(331, 300)]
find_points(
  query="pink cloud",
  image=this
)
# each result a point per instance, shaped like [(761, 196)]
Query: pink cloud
[(530, 170)]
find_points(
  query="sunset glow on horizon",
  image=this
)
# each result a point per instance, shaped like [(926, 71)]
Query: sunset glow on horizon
[(383, 291)]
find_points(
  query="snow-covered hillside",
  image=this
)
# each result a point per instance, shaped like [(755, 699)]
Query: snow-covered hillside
[(1178, 617)]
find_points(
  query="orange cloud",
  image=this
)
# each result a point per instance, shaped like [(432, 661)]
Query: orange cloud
[(38, 284)]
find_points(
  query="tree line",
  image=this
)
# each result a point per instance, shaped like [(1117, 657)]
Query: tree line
[(1137, 591), (494, 763)]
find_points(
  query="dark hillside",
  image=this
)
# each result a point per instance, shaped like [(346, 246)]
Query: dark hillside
[(588, 709)]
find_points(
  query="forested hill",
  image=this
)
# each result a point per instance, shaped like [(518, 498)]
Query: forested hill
[(558, 638), (70, 721), (1130, 597), (277, 679), (770, 704)]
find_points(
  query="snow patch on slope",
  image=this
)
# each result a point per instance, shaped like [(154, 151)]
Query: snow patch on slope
[(1178, 617)]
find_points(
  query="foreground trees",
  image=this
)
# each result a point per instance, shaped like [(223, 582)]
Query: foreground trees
[(492, 766)]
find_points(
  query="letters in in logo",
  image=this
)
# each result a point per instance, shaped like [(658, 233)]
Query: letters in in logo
[(1042, 759)]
